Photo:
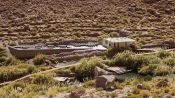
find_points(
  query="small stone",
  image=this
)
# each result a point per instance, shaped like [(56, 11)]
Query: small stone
[(162, 83), (19, 89), (140, 86)]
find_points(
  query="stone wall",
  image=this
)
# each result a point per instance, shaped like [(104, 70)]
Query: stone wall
[(74, 52), (23, 54), (80, 56), (69, 42)]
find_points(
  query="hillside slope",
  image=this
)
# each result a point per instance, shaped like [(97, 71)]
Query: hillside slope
[(53, 20)]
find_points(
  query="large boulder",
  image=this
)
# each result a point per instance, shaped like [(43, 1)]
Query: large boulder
[(105, 81), (99, 71)]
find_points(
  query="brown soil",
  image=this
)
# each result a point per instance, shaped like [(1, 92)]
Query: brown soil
[(33, 21)]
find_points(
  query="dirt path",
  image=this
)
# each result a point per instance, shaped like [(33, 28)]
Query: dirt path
[(30, 75)]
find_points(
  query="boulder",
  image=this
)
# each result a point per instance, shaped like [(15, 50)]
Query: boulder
[(105, 81), (99, 71)]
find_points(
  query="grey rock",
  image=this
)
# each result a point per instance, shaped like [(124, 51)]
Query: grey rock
[(105, 81), (99, 71), (19, 89)]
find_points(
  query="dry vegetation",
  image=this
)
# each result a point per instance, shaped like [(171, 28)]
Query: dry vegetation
[(31, 21), (36, 21)]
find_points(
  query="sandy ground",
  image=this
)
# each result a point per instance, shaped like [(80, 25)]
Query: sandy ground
[(93, 93)]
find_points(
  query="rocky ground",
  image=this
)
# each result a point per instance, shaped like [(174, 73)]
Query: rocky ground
[(93, 93)]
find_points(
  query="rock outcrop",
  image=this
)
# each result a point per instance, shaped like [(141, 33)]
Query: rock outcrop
[(99, 71), (105, 81)]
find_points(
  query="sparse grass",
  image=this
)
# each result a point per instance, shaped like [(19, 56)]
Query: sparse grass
[(43, 79), (64, 71), (162, 70), (170, 61), (145, 94), (116, 14), (90, 83), (15, 71), (149, 69), (131, 60), (39, 59), (136, 91), (85, 70), (163, 54)]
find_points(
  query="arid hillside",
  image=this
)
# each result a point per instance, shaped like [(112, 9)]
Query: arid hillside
[(32, 21)]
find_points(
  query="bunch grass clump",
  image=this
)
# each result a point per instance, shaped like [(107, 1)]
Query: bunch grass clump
[(129, 59), (85, 70), (43, 79), (15, 71), (39, 59)]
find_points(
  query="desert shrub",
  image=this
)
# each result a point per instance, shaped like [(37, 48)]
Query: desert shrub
[(3, 56), (12, 44), (11, 61), (156, 69), (141, 60), (85, 70), (162, 69), (124, 59), (2, 49), (64, 71), (149, 69), (147, 78), (34, 87), (145, 94), (111, 52), (117, 85), (3, 59), (167, 90), (169, 61), (43, 79), (129, 60), (136, 91), (39, 59), (18, 84), (163, 54), (153, 59), (89, 83), (52, 92), (13, 72)]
